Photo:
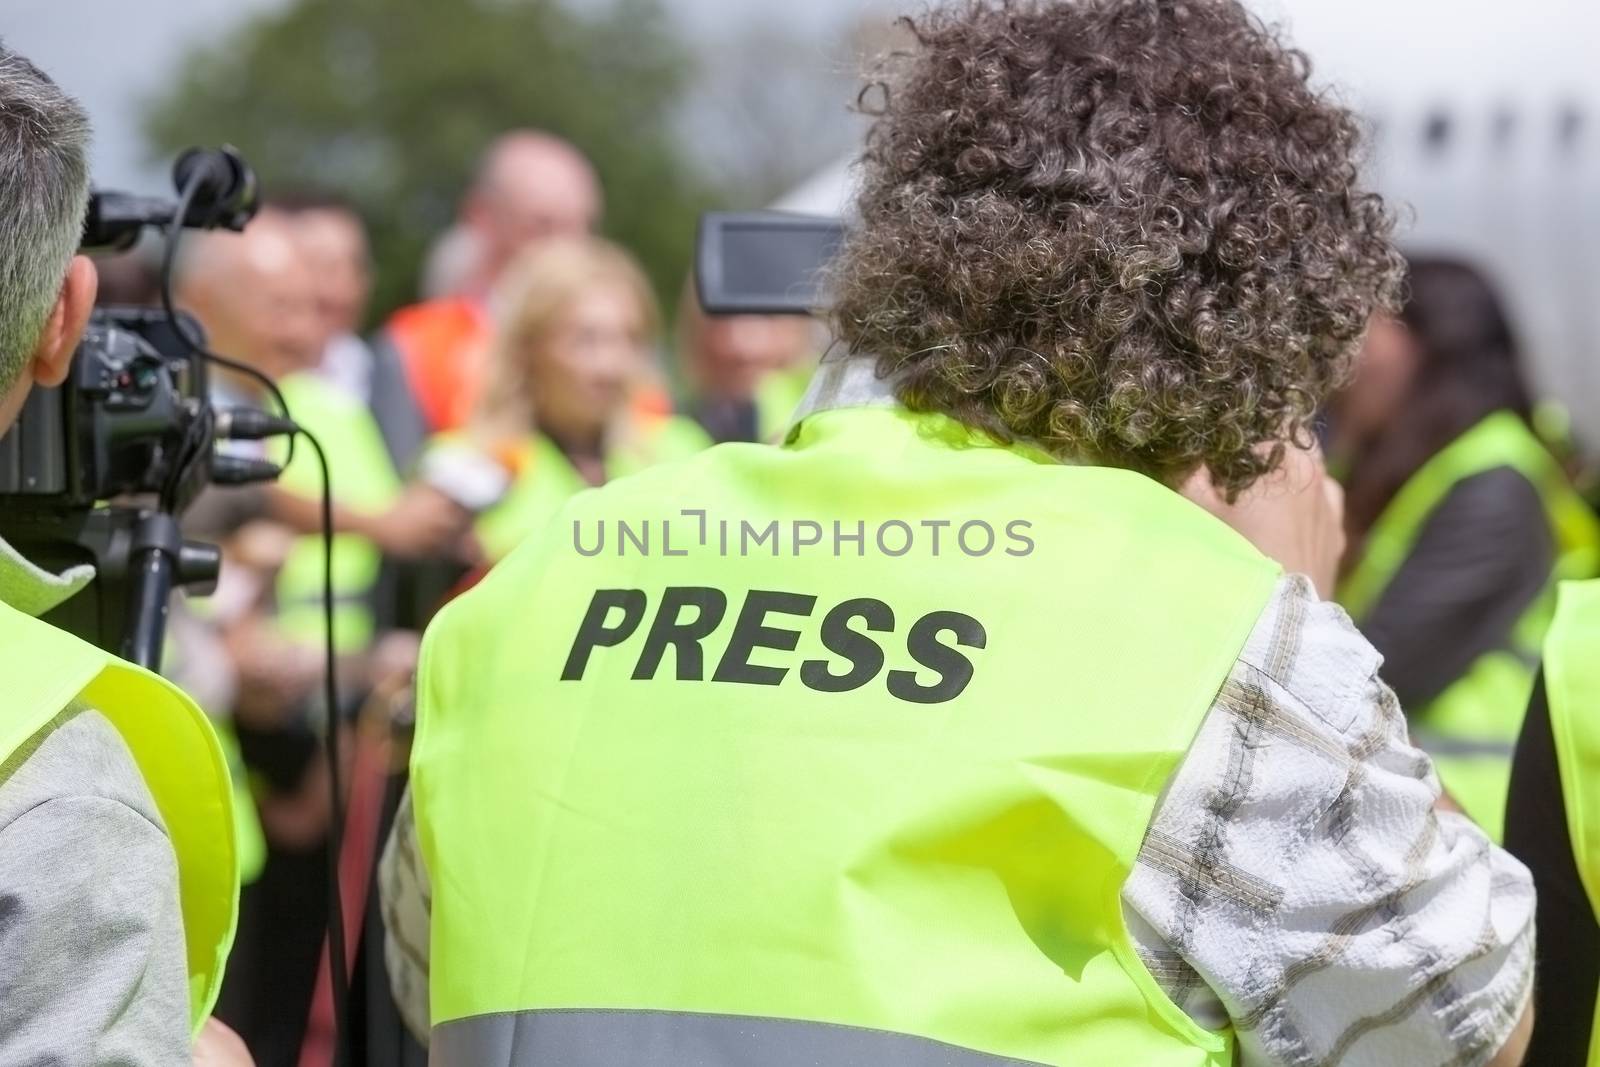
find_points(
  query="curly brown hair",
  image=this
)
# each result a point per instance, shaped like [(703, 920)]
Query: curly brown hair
[(1125, 229)]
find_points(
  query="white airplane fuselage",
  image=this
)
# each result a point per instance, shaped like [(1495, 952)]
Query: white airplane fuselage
[(1486, 123)]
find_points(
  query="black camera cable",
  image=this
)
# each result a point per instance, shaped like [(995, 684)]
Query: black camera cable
[(243, 425), (338, 975), (169, 259)]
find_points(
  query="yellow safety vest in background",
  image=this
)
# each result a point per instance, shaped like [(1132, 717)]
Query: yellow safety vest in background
[(1572, 685), (727, 802), (543, 479), (363, 478), (777, 397), (249, 839), (1471, 728), (45, 670)]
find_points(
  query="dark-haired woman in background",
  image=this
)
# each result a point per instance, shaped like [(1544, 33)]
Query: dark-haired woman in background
[(1460, 523)]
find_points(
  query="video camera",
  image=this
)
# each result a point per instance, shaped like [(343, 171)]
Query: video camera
[(764, 262), (97, 470)]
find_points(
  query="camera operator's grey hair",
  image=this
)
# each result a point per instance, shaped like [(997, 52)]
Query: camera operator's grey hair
[(44, 190)]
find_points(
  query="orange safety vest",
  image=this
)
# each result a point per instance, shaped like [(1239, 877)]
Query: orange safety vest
[(445, 345), (444, 348)]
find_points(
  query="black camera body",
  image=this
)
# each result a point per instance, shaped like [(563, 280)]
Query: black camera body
[(97, 470), (125, 422), (129, 424)]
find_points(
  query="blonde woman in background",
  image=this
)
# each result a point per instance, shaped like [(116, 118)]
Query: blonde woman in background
[(572, 399)]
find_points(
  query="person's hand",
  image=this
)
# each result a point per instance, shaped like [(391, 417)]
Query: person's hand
[(275, 676), (218, 1046), (423, 522), (1295, 515), (297, 819), (394, 658), (261, 545)]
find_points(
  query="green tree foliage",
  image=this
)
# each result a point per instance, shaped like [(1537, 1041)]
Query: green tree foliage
[(390, 102)]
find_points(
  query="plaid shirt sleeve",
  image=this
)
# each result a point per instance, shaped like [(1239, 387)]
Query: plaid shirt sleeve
[(407, 901), (1298, 885)]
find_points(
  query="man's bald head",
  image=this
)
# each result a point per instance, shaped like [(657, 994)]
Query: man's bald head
[(254, 294), (530, 187)]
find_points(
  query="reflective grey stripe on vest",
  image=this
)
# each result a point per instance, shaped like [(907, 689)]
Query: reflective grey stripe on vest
[(684, 1039)]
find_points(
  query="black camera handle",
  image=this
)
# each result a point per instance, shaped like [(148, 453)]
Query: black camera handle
[(137, 558), (157, 561)]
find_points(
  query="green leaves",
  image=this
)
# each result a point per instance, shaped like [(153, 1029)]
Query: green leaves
[(390, 102)]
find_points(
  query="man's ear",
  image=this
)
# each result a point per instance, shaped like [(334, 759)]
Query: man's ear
[(52, 357)]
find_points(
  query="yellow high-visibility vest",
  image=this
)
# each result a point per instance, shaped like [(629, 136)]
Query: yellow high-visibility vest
[(835, 752), (363, 479), (1471, 728), (543, 479), (45, 670), (777, 398)]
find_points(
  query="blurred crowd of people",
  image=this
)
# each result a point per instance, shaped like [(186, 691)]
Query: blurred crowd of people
[(537, 363)]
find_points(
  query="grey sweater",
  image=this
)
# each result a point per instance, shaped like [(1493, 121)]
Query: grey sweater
[(92, 966)]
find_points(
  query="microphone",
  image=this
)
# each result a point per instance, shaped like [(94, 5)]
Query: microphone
[(225, 189), (225, 194)]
